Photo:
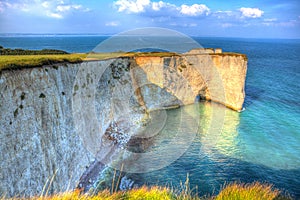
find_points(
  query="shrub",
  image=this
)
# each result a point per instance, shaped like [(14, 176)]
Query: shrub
[(4, 51)]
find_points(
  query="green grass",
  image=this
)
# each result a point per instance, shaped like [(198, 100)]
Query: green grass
[(102, 56), (30, 61), (153, 54), (4, 51)]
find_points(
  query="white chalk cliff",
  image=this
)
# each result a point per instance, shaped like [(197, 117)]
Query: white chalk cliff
[(44, 109)]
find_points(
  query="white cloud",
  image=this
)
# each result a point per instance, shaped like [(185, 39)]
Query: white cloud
[(57, 9), (270, 20), (194, 10), (143, 6), (55, 15), (132, 6), (46, 4), (251, 12), (183, 24), (1, 6), (5, 5), (157, 6), (113, 23), (223, 14), (277, 23), (290, 23), (77, 7), (63, 8)]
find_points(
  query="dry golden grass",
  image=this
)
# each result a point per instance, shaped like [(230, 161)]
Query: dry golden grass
[(254, 191), (153, 193)]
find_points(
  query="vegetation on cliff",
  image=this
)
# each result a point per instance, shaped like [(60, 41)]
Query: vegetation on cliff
[(108, 55), (229, 54), (254, 191), (20, 58), (8, 51), (30, 61)]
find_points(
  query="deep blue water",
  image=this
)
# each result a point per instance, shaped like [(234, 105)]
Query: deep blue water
[(69, 43), (262, 143)]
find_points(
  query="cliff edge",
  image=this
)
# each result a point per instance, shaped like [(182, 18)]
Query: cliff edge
[(45, 109)]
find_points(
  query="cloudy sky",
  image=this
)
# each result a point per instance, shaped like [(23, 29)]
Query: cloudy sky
[(220, 18)]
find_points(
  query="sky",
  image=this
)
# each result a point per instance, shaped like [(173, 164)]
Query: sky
[(206, 18)]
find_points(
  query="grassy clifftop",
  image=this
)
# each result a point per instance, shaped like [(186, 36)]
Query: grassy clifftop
[(20, 58), (29, 61), (38, 60)]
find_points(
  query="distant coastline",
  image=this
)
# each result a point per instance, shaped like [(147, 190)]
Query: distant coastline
[(84, 43)]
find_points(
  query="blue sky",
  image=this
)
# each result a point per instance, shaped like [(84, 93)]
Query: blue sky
[(220, 18)]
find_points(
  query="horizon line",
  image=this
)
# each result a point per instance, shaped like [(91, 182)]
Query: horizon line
[(111, 34)]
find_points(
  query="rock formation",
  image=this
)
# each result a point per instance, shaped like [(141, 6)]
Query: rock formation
[(44, 110)]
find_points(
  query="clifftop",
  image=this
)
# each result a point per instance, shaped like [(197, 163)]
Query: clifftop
[(38, 59), (220, 74)]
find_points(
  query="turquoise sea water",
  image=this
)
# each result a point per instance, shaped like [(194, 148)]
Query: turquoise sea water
[(262, 143)]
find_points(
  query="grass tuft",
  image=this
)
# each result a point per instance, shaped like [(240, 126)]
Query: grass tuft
[(252, 191)]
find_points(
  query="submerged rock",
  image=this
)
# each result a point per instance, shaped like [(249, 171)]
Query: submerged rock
[(126, 184)]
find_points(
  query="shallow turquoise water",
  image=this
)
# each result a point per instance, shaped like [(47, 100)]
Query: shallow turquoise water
[(234, 152), (262, 143)]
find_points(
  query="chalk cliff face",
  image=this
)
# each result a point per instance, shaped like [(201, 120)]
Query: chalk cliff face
[(216, 77), (38, 139), (54, 120)]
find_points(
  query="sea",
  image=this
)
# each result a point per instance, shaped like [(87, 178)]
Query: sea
[(262, 143)]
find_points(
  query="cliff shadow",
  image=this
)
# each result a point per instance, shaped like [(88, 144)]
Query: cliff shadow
[(253, 93)]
